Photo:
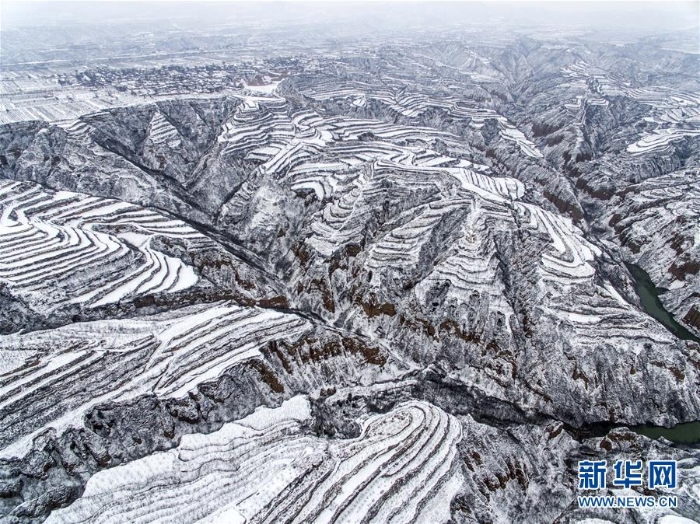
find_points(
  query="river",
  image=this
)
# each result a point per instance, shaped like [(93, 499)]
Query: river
[(649, 296), (689, 432)]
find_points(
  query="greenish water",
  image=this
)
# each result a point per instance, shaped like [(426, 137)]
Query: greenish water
[(688, 433), (649, 296)]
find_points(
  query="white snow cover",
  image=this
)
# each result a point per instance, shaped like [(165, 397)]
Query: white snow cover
[(123, 359), (51, 238), (267, 466)]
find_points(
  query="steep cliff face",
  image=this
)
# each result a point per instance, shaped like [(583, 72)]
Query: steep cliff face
[(423, 290)]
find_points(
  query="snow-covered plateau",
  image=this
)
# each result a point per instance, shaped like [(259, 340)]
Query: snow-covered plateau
[(403, 280)]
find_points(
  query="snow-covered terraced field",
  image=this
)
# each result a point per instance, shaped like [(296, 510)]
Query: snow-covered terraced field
[(486, 205), (675, 112), (86, 250), (570, 256), (268, 468), (352, 197), (358, 281), (353, 176), (116, 360), (414, 105), (660, 139), (163, 132)]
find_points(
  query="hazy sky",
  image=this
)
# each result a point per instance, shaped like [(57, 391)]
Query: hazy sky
[(659, 15)]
